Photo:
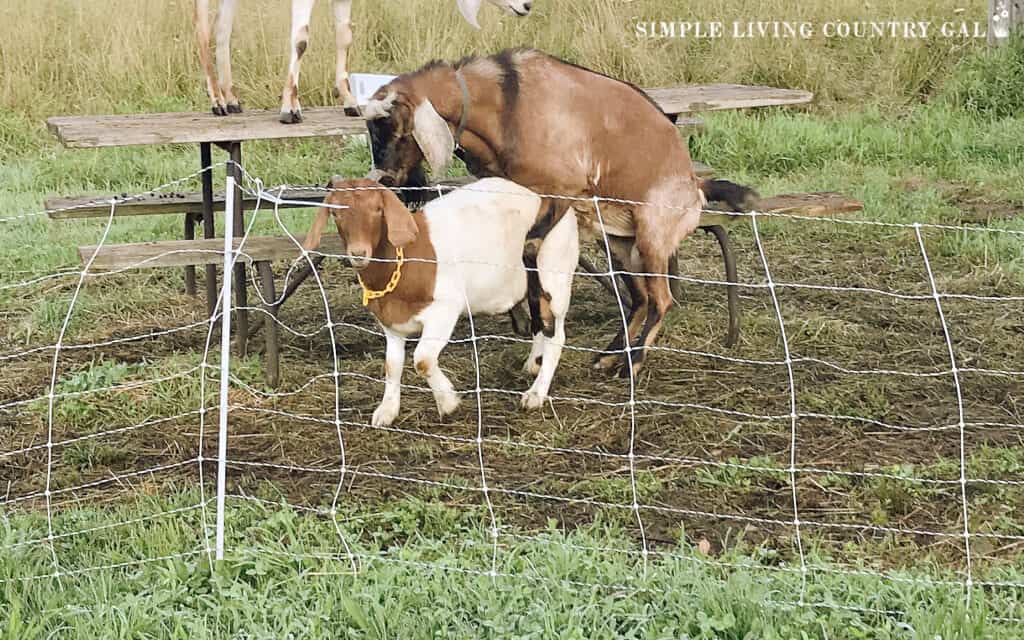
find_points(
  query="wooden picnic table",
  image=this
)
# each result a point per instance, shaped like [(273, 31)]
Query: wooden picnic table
[(228, 133)]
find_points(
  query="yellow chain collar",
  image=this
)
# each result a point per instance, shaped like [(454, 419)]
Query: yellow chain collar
[(370, 294)]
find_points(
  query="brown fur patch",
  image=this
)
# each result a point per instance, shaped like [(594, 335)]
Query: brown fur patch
[(365, 218)]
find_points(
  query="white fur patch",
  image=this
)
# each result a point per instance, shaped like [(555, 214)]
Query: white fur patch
[(380, 108)]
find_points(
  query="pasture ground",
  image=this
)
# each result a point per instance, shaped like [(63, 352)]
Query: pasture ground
[(423, 540)]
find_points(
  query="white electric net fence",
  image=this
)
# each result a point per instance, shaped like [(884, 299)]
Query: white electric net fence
[(867, 429)]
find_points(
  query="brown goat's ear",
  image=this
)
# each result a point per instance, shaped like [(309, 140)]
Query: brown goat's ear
[(433, 137), (401, 226), (312, 242)]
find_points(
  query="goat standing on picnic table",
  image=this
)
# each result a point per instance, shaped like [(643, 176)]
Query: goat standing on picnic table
[(222, 93), (560, 130), (462, 253)]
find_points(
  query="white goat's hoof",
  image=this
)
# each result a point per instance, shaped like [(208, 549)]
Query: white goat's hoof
[(447, 403), (532, 400), (385, 414), (532, 365)]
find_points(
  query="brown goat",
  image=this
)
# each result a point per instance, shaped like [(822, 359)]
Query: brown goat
[(560, 130)]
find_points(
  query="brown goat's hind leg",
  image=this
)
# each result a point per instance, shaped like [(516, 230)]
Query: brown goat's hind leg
[(201, 23), (613, 355), (660, 302)]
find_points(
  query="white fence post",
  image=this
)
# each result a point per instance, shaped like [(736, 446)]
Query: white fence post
[(225, 359)]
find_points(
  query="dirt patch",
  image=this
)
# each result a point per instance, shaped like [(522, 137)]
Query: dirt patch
[(976, 205), (878, 437)]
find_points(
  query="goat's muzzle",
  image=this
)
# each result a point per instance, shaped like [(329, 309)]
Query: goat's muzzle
[(381, 176), (358, 259)]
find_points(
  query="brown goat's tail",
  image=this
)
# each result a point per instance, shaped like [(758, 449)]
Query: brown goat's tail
[(734, 196)]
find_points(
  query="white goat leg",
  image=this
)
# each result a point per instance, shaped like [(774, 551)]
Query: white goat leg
[(556, 263), (343, 39), (225, 21), (201, 24), (532, 364), (437, 331), (291, 110), (394, 361)]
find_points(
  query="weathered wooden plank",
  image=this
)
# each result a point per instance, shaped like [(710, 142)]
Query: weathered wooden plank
[(804, 204), (713, 97), (83, 132), (94, 206), (191, 202), (180, 253)]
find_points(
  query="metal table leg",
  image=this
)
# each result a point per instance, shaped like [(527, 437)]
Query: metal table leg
[(241, 295), (270, 332), (190, 270), (208, 226)]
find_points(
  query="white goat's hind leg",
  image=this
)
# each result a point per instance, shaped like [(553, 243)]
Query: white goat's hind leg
[(343, 39), (201, 23), (532, 364), (394, 360), (536, 395), (291, 111), (556, 263), (225, 21), (437, 331)]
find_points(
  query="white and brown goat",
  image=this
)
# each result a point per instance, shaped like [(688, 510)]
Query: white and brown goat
[(529, 117), (219, 85), (462, 253)]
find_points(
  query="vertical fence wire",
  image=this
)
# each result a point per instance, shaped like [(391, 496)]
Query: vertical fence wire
[(628, 357), (51, 396), (969, 578), (792, 405)]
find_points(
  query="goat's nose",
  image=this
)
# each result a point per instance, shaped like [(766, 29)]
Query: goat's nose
[(527, 6)]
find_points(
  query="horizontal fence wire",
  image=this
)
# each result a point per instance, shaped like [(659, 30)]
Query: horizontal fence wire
[(246, 399)]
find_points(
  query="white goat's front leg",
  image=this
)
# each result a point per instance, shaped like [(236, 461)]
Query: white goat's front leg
[(556, 264), (291, 111), (225, 22), (343, 39), (438, 324), (394, 360), (201, 24)]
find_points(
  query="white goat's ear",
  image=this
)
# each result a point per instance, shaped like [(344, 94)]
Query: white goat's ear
[(433, 136), (379, 108), (469, 10)]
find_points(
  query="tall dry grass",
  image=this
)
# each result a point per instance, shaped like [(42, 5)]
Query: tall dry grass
[(93, 56)]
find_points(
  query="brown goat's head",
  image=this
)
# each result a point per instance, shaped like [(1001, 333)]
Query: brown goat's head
[(372, 212), (404, 129)]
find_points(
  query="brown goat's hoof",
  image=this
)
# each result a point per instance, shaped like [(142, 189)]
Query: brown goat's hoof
[(234, 107), (352, 112), (219, 110), (290, 117), (606, 363)]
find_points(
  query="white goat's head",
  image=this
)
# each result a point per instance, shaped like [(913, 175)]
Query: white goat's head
[(470, 8)]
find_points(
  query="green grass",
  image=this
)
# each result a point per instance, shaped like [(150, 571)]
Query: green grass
[(286, 575), (918, 132)]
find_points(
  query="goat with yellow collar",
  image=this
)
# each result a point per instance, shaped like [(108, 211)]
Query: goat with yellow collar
[(462, 253)]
